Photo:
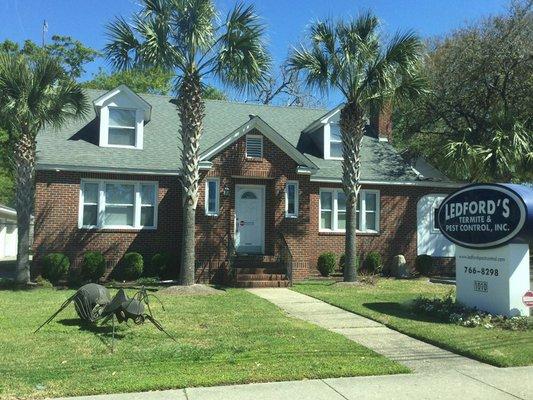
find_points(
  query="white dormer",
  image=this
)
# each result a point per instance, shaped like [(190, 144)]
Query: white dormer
[(326, 133), (122, 114)]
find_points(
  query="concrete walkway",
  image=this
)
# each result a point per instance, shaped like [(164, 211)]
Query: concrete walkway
[(416, 355), (494, 384)]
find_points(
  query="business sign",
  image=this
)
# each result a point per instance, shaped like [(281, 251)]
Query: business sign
[(482, 216), (492, 225)]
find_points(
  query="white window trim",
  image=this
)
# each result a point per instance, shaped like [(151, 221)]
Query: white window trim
[(104, 128), (101, 205), (362, 210), (296, 199), (217, 197), (246, 146), (327, 142)]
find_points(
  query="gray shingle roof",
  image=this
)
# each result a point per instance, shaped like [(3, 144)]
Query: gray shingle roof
[(76, 144)]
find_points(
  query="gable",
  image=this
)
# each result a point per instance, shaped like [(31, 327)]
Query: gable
[(257, 124)]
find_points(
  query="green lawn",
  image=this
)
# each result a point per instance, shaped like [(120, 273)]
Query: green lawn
[(386, 302), (231, 338)]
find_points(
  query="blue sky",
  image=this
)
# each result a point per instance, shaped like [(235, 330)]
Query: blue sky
[(286, 19)]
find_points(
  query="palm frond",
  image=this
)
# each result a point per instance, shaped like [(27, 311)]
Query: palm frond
[(122, 48), (315, 66), (242, 59)]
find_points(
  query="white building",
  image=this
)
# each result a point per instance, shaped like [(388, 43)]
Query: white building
[(8, 232)]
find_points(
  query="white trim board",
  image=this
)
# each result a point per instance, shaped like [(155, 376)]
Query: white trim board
[(107, 170), (388, 183)]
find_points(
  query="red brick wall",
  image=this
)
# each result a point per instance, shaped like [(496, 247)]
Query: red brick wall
[(57, 199), (398, 224), (56, 220)]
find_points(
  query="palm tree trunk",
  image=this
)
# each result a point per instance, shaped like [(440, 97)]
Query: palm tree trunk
[(23, 163), (191, 109), (352, 125)]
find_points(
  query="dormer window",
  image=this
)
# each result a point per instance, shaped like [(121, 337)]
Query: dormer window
[(335, 141), (121, 127), (122, 117)]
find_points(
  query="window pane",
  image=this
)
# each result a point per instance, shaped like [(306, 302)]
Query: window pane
[(90, 193), (118, 216), (148, 195), (121, 136), (370, 202), (212, 196), (335, 149), (371, 221), (325, 219), (90, 214), (147, 216), (341, 201), (291, 193), (325, 201), (436, 219), (248, 195), (119, 193), (120, 117), (335, 132), (341, 220)]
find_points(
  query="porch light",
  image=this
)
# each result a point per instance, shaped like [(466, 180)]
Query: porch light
[(226, 190)]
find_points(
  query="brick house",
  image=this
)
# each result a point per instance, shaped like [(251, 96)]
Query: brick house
[(270, 190)]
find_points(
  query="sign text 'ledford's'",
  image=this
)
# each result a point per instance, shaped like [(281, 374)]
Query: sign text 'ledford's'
[(482, 216)]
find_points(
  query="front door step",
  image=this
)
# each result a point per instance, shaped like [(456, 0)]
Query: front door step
[(262, 284)]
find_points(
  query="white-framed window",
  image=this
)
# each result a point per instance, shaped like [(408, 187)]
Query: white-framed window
[(212, 196), (113, 204), (121, 127), (291, 199), (332, 206), (254, 146), (335, 141)]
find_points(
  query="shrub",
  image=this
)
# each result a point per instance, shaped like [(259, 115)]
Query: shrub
[(93, 265), (148, 281), (160, 264), (342, 262), (372, 264), (55, 266), (44, 283), (327, 263), (424, 264), (132, 266)]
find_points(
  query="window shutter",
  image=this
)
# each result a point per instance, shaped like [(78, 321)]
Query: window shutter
[(254, 146)]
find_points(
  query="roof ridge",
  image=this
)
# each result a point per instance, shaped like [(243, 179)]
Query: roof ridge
[(244, 103)]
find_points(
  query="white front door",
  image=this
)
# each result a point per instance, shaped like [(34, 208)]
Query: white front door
[(249, 218)]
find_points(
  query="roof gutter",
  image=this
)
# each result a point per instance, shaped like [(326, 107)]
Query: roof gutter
[(109, 170), (388, 183)]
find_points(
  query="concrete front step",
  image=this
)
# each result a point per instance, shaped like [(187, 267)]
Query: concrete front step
[(262, 284), (260, 277)]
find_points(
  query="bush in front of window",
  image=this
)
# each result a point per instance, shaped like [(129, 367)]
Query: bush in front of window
[(160, 264), (424, 264), (132, 266), (93, 266), (327, 262), (372, 264), (55, 266), (342, 263)]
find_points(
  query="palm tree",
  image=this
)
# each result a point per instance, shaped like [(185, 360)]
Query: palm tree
[(351, 58), (34, 92), (183, 35)]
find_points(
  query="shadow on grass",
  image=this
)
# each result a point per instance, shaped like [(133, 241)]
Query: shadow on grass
[(401, 310), (102, 332)]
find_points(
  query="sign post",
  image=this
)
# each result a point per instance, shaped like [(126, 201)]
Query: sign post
[(491, 225)]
